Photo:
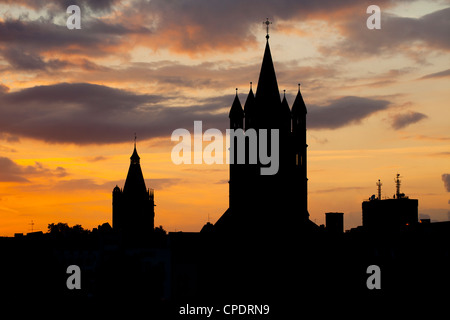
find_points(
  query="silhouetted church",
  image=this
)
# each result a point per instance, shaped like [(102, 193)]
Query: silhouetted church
[(133, 207), (258, 201)]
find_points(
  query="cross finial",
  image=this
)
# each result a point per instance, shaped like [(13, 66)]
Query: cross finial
[(135, 137), (267, 23)]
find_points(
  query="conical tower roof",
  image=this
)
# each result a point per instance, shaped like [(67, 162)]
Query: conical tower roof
[(236, 111), (135, 157), (285, 106), (249, 106), (134, 184), (299, 106), (267, 92)]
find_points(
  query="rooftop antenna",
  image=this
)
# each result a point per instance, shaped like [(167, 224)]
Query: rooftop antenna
[(379, 184), (397, 185), (32, 225), (267, 23)]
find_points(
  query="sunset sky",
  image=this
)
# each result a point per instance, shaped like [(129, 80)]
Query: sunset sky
[(71, 101)]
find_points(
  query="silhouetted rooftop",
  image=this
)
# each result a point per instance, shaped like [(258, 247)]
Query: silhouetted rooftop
[(134, 184), (236, 108), (267, 92), (299, 105)]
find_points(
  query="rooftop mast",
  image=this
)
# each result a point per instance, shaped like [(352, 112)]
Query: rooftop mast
[(379, 184), (397, 185)]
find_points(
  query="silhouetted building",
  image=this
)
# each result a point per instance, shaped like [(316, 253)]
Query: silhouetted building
[(334, 222), (257, 200), (208, 227), (133, 207), (389, 214), (206, 268)]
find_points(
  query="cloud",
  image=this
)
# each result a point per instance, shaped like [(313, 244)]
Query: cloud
[(171, 75), (441, 74), (9, 138), (446, 179), (6, 149), (405, 32), (343, 111), (428, 138), (3, 88), (58, 5), (78, 184), (440, 154), (21, 60), (194, 27), (201, 26), (222, 181), (162, 183), (95, 6), (29, 39), (97, 158), (111, 28), (338, 189), (83, 113), (401, 121), (12, 172), (60, 172), (319, 140), (90, 184)]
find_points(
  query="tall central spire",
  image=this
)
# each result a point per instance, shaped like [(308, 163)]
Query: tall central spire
[(135, 180), (135, 159), (267, 93)]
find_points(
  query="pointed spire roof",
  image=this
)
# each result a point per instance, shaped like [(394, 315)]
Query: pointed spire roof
[(267, 91), (236, 111), (249, 106), (135, 157), (284, 105), (299, 106), (134, 184)]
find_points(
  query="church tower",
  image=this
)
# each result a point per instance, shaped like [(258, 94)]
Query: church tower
[(133, 206), (299, 148), (236, 186), (258, 203)]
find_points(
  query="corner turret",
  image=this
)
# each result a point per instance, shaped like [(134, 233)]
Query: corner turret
[(236, 114)]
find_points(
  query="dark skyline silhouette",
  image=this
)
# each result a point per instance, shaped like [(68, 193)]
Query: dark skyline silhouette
[(244, 258), (148, 238)]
